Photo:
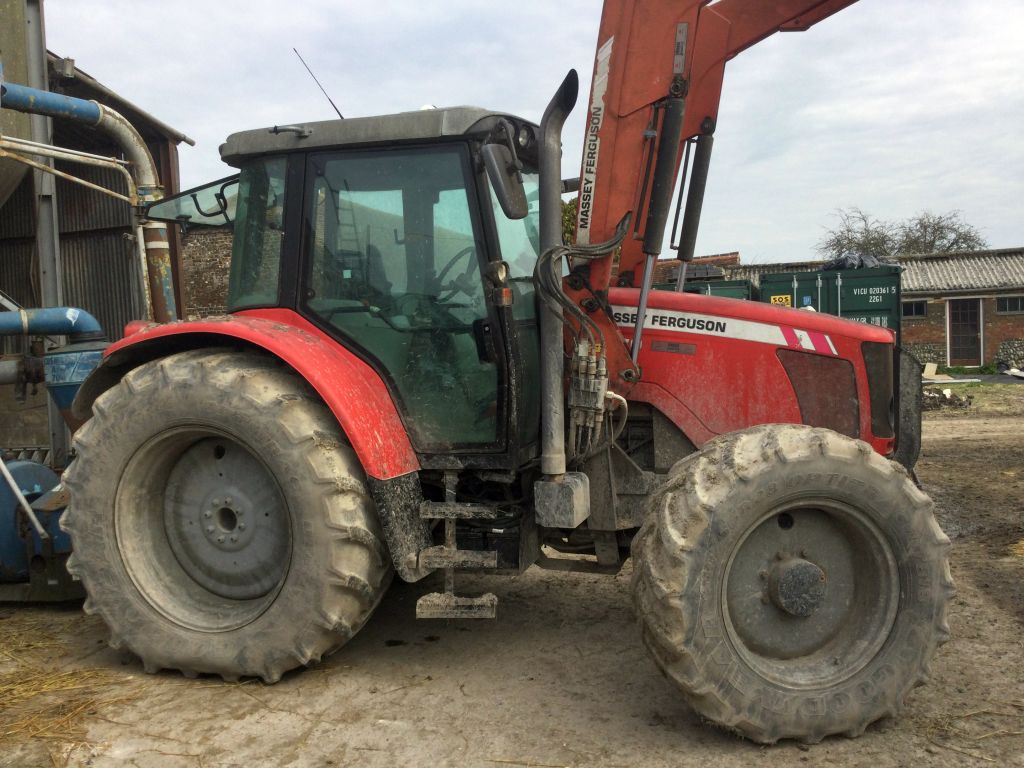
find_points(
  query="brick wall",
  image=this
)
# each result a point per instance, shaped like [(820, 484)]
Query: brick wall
[(1004, 334), (207, 260), (925, 337)]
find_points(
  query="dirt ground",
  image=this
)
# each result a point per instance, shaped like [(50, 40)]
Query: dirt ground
[(559, 679)]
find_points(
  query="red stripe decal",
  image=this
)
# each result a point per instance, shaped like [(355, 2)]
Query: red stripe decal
[(820, 343), (790, 335)]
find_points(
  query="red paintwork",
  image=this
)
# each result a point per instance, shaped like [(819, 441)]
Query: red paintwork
[(640, 73), (353, 391), (730, 383), (727, 383)]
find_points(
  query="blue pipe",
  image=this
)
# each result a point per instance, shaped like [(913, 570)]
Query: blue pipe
[(53, 321), (21, 98)]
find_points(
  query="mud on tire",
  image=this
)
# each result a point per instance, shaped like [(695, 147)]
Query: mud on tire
[(220, 523), (792, 582)]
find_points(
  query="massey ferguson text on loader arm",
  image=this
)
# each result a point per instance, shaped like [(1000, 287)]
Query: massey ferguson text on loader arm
[(657, 84)]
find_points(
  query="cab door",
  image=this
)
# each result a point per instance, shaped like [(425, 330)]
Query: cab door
[(392, 268)]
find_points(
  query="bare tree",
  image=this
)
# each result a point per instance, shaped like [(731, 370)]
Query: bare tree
[(938, 233), (859, 233)]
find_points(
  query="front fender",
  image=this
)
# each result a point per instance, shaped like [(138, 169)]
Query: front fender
[(353, 391)]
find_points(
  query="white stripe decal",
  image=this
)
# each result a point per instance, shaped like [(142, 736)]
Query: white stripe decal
[(723, 327), (705, 325), (804, 338)]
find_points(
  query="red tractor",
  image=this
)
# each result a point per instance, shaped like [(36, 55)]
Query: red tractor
[(416, 375)]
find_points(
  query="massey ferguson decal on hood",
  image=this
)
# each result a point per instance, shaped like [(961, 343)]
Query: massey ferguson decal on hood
[(730, 328)]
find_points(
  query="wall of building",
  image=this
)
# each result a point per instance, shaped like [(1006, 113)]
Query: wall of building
[(1004, 334), (925, 337), (206, 258)]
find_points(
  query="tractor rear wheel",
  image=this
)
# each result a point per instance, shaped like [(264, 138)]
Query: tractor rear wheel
[(792, 582), (219, 521)]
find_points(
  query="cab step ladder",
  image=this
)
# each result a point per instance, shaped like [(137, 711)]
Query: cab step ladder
[(448, 605)]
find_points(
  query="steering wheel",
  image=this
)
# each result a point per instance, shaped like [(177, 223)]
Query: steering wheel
[(458, 284)]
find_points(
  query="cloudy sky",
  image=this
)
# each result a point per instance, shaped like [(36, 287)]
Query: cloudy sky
[(895, 106)]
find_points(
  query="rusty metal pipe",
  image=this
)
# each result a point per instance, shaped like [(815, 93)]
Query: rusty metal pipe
[(160, 286), (154, 234)]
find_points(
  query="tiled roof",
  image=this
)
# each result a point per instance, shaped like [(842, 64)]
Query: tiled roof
[(942, 273), (928, 274)]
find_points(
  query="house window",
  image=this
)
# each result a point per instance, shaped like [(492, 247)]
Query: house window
[(1009, 305), (915, 308)]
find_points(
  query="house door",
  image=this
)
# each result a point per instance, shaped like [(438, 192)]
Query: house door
[(965, 332)]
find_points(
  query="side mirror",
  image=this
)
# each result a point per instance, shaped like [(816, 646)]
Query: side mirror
[(505, 180)]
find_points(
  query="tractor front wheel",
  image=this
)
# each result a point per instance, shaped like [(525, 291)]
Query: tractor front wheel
[(792, 582), (219, 521)]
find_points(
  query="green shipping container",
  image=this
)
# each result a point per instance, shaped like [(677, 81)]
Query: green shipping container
[(869, 295), (730, 289)]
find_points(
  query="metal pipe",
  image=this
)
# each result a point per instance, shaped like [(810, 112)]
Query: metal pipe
[(641, 312), (21, 98), (154, 236), (53, 321), (20, 158), (664, 175), (552, 341), (64, 153), (657, 210), (695, 197)]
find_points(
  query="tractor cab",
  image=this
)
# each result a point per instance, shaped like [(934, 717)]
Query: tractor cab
[(411, 239)]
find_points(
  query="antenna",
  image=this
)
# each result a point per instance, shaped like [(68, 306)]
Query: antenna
[(318, 83)]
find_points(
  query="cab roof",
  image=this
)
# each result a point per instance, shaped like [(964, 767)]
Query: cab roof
[(420, 125)]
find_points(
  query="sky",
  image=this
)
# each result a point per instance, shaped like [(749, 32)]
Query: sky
[(893, 106)]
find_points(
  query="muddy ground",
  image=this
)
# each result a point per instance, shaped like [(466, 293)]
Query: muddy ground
[(560, 679)]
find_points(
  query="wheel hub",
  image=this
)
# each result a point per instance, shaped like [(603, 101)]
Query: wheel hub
[(810, 581), (797, 586), (225, 520)]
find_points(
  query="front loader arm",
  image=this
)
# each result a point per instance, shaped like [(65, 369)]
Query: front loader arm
[(650, 52)]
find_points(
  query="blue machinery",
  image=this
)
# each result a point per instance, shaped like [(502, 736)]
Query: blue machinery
[(33, 548)]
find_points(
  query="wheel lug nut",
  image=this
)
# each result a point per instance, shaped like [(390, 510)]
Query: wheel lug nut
[(227, 502), (241, 526), (234, 538), (220, 539), (209, 529), (207, 513)]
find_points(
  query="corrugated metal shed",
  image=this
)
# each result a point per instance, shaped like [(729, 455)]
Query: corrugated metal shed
[(100, 269)]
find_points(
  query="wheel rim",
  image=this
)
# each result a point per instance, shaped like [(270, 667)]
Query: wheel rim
[(812, 591), (203, 529)]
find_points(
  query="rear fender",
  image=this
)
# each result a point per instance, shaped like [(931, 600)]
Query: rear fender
[(353, 391)]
